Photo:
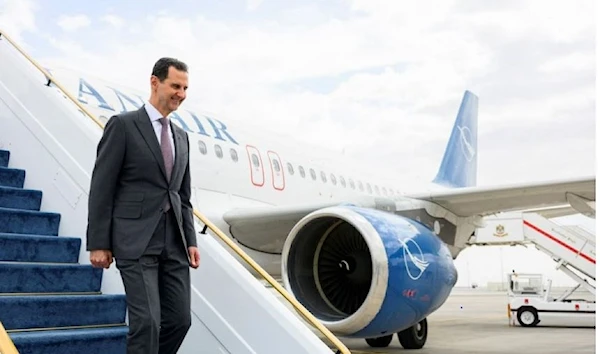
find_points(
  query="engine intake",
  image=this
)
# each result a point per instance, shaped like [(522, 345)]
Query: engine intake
[(332, 265), (364, 272)]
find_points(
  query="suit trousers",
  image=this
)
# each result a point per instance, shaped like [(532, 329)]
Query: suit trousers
[(157, 288)]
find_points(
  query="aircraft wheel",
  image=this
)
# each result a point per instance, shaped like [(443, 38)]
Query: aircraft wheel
[(414, 337), (528, 317), (380, 342)]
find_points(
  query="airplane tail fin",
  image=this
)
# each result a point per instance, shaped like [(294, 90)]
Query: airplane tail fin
[(459, 165)]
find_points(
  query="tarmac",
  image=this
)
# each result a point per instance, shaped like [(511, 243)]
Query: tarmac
[(476, 322)]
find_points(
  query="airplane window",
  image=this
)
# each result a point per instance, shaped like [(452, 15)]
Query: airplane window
[(255, 160), (369, 189), (290, 168), (234, 155), (276, 165), (343, 181), (313, 174), (302, 173), (360, 186), (352, 183), (218, 151), (323, 177), (202, 147), (377, 190), (333, 179)]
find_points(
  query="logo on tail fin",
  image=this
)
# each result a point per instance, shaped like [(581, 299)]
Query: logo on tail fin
[(459, 164), (466, 137)]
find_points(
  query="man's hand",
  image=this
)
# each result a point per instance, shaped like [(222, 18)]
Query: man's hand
[(194, 257), (101, 258)]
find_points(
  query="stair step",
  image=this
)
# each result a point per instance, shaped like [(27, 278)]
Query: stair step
[(38, 248), (12, 177), (29, 312), (17, 221), (48, 302), (111, 340), (19, 198), (49, 278), (4, 158)]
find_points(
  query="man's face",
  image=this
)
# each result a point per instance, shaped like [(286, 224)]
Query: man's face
[(172, 91)]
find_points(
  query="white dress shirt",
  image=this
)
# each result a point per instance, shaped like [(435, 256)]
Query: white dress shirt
[(155, 115)]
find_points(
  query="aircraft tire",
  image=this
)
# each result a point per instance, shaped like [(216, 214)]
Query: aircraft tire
[(415, 336), (380, 342)]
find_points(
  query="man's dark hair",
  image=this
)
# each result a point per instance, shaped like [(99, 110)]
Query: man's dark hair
[(161, 68)]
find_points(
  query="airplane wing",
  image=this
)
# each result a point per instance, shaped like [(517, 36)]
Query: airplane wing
[(553, 212), (490, 200), (265, 228)]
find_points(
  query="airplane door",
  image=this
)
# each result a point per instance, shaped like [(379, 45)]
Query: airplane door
[(276, 170), (257, 172)]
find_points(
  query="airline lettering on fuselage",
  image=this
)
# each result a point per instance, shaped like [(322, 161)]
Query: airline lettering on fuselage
[(130, 102)]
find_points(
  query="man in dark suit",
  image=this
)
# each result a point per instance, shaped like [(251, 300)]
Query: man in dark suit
[(140, 213)]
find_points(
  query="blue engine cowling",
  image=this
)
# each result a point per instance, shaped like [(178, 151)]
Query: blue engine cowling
[(366, 273)]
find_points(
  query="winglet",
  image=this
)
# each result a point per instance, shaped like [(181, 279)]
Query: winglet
[(459, 165)]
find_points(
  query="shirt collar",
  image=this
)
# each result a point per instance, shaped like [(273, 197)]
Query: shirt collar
[(153, 113)]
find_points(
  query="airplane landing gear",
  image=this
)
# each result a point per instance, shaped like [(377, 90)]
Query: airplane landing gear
[(413, 337), (380, 342)]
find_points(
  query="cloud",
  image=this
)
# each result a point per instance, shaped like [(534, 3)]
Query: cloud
[(113, 20), (252, 5), (16, 17), (378, 80), (71, 23)]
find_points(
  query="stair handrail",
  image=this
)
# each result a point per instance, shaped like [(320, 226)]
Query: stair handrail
[(342, 349), (6, 344)]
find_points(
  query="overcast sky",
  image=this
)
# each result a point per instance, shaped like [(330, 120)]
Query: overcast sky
[(381, 79)]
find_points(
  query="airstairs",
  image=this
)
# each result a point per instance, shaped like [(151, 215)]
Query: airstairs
[(571, 247), (51, 299)]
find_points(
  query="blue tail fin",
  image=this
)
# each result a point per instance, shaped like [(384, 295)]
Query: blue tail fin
[(459, 166)]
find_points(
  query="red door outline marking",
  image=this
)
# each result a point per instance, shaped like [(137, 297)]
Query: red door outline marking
[(278, 178), (257, 173)]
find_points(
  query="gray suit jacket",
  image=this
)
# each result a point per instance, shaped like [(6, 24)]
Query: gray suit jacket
[(129, 187)]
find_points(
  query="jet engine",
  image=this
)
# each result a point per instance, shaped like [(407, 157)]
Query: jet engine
[(366, 273)]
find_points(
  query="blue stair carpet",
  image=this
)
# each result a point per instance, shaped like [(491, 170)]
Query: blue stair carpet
[(28, 222), (111, 340), (46, 311), (48, 278), (49, 303), (35, 248), (12, 177), (4, 157), (18, 198)]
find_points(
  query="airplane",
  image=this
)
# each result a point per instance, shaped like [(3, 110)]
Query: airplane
[(366, 258)]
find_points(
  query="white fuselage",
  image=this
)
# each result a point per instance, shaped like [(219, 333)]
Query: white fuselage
[(240, 166)]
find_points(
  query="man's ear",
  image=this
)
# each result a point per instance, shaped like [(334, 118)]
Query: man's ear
[(153, 82)]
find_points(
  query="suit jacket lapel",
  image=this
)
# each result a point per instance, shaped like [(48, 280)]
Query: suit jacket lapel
[(145, 127)]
